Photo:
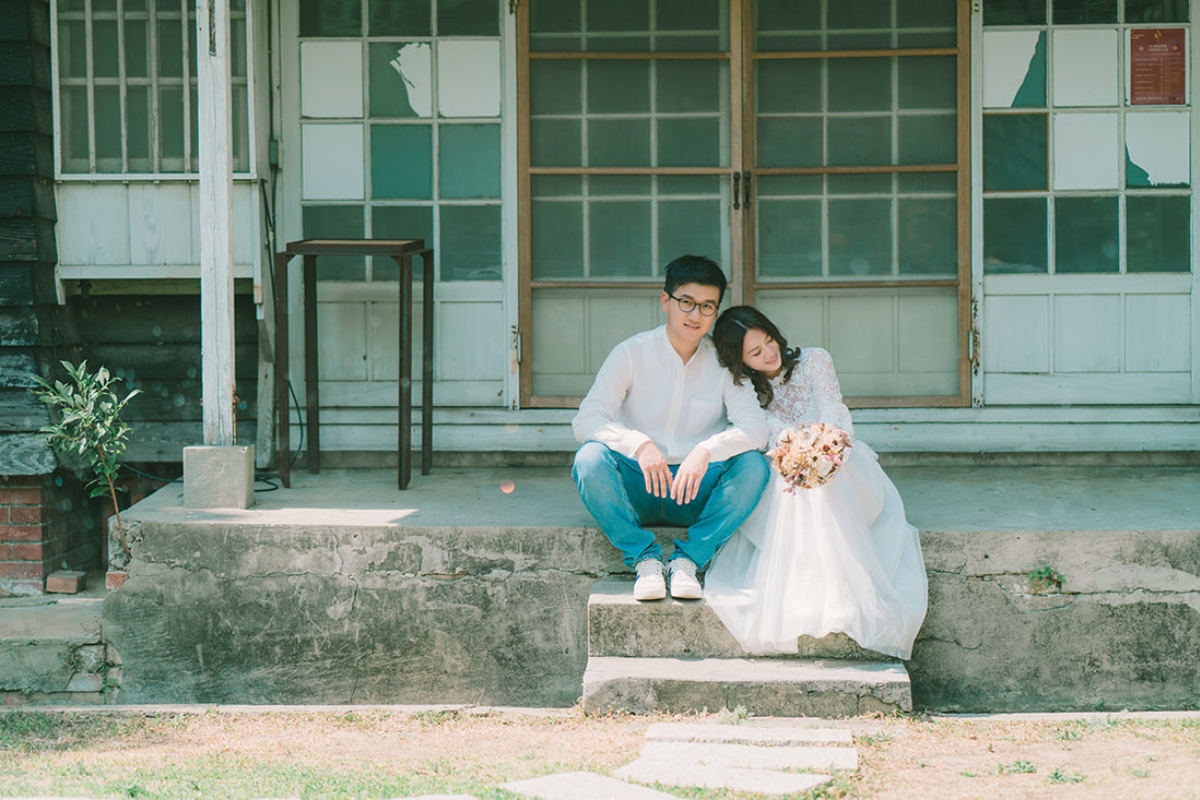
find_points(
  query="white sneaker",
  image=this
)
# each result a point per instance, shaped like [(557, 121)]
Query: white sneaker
[(684, 585), (649, 584)]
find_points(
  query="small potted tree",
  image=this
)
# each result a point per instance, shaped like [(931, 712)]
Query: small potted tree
[(89, 427)]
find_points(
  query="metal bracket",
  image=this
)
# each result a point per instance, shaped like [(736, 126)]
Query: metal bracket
[(512, 6)]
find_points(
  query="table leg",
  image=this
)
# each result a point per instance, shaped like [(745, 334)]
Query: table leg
[(404, 433), (283, 450), (311, 376), (427, 363)]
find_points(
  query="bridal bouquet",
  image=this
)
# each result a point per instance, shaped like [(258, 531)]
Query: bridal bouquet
[(810, 455)]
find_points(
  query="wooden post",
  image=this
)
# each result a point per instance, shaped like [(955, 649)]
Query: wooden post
[(216, 219)]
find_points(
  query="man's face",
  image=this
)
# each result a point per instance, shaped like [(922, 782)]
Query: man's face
[(691, 326)]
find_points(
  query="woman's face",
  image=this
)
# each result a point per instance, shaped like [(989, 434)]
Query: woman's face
[(761, 353)]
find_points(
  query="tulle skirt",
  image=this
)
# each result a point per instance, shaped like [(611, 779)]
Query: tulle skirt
[(838, 558)]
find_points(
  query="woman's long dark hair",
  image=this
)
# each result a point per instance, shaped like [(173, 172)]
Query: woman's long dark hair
[(728, 334)]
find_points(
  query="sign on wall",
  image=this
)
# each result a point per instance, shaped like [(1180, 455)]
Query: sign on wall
[(1157, 67)]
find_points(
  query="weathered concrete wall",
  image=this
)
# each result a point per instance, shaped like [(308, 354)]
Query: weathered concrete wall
[(252, 614)]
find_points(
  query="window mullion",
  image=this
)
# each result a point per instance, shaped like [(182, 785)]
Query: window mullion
[(122, 89), (155, 143), (187, 86), (91, 87)]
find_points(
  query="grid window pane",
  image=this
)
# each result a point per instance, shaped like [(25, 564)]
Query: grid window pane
[(689, 226), (925, 13), (469, 161), (467, 17), (619, 143), (557, 240), (75, 147), (1014, 69), (106, 54), (688, 15), (554, 17), (137, 49), (1084, 12), (108, 127), (927, 83), (689, 86), (789, 142), (336, 222), (1014, 236), (331, 17), (401, 161), (401, 79), (1085, 234), (555, 142), (554, 87), (787, 15), (618, 15), (860, 237), (859, 14), (170, 124), (400, 222), (72, 49), (690, 142), (137, 109), (1157, 11), (1014, 152), (860, 84), (789, 238), (928, 236), (386, 18), (618, 87), (620, 239), (470, 243), (928, 139), (170, 48), (1158, 234), (1014, 12), (858, 141), (785, 86)]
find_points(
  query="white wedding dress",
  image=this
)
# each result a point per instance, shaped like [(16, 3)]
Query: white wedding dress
[(839, 557)]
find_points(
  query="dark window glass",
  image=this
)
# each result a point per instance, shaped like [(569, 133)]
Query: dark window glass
[(1014, 152), (387, 18), (1014, 12), (1084, 12), (1014, 236), (1157, 10), (1157, 234), (336, 222), (1085, 234), (330, 18)]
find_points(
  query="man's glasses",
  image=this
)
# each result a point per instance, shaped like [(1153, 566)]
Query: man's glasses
[(686, 304)]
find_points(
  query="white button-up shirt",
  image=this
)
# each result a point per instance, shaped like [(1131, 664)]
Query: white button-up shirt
[(645, 392)]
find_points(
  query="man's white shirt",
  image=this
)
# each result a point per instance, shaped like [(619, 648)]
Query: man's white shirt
[(645, 392)]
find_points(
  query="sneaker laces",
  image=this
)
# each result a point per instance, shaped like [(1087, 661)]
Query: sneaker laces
[(684, 565), (649, 567)]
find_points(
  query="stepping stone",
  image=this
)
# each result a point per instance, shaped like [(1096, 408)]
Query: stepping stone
[(747, 780), (751, 756), (741, 734), (582, 786)]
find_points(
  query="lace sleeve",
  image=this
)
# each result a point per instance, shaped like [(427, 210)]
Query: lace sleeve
[(826, 393)]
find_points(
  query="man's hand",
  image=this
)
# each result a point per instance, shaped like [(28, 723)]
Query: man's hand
[(654, 467), (689, 475)]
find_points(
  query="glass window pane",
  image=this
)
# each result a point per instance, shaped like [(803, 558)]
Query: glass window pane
[(330, 17), (1014, 235), (76, 150), (469, 78), (1085, 68), (943, 39), (170, 124), (689, 86), (387, 18), (786, 185), (787, 86), (105, 52), (336, 222), (618, 44), (72, 49), (1085, 151), (556, 186), (618, 87), (470, 243), (170, 49), (1157, 149), (401, 161), (137, 49), (555, 142), (555, 87), (860, 141), (137, 109), (708, 185), (860, 237), (331, 79), (333, 162), (1014, 12), (467, 18), (1158, 234), (789, 142), (1014, 152), (1157, 11), (860, 84), (400, 222), (108, 128), (789, 238), (239, 113), (859, 184), (618, 15), (928, 139), (469, 160), (401, 77), (925, 14), (619, 143), (1084, 12), (680, 43), (557, 240), (237, 48), (560, 17), (613, 185), (1085, 234), (689, 15), (690, 226), (787, 15), (1014, 69), (859, 14), (690, 142), (619, 243), (927, 82), (928, 182), (928, 236), (773, 42)]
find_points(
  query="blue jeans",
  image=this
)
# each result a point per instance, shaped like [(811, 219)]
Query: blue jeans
[(613, 489)]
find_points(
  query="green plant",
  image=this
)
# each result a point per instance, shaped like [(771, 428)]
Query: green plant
[(89, 426), (1046, 577), (735, 717)]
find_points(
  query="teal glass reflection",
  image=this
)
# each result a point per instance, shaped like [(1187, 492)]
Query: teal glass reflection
[(860, 141), (860, 237), (784, 142), (927, 83), (860, 84), (557, 240), (469, 161), (1085, 234), (619, 239), (928, 139), (401, 161), (689, 142), (1014, 152), (467, 18), (391, 92), (689, 226), (410, 18), (1158, 234), (335, 222), (1014, 12), (555, 87), (1014, 236), (688, 86), (541, 186), (400, 222), (1157, 11), (788, 86), (928, 236), (618, 87), (330, 17), (470, 243), (927, 182), (789, 238), (619, 143), (555, 142), (105, 50)]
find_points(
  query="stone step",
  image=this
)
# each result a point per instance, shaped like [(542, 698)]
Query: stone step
[(776, 687), (52, 651), (620, 626)]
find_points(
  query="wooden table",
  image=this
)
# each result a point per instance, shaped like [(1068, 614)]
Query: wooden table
[(401, 251)]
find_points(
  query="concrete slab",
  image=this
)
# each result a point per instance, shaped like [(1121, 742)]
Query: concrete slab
[(582, 786), (747, 756), (760, 781), (71, 620), (218, 477), (740, 734)]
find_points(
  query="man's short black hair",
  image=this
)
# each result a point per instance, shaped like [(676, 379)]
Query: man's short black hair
[(694, 269)]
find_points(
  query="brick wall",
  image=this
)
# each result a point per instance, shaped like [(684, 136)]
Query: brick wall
[(43, 528)]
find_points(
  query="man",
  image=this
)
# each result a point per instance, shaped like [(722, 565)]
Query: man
[(658, 445)]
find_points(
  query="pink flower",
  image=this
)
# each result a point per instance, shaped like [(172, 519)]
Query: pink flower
[(809, 456)]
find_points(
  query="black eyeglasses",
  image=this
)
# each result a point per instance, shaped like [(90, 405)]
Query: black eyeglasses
[(686, 304)]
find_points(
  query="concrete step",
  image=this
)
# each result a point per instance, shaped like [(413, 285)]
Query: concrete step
[(620, 626), (52, 652), (778, 687)]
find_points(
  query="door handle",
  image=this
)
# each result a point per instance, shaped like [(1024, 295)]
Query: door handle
[(746, 188), (737, 190)]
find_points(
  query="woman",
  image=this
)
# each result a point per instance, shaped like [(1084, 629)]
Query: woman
[(838, 557)]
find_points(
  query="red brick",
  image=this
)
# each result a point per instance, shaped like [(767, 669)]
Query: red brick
[(66, 582), (21, 533), (3, 515), (115, 579), (21, 569), (27, 551), (23, 515), (25, 497)]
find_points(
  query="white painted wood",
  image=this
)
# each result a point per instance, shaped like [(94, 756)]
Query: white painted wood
[(801, 319), (1006, 57), (1160, 143), (564, 352), (1086, 151), (1158, 333), (468, 77), (472, 342), (331, 79), (922, 341), (862, 335), (1084, 67), (160, 224), (216, 219), (508, 195), (342, 342), (93, 224), (1087, 333), (382, 394), (1087, 284), (978, 309), (332, 158), (1088, 388), (1016, 334), (142, 272)]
